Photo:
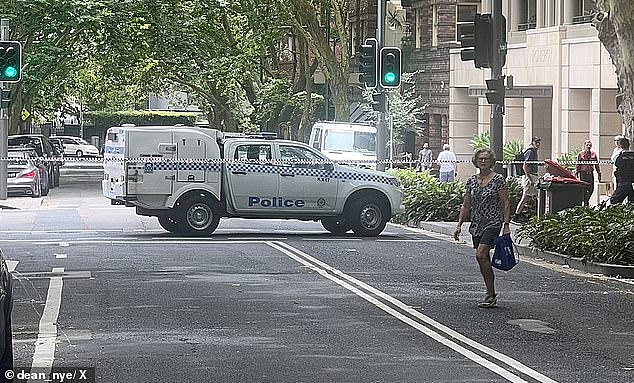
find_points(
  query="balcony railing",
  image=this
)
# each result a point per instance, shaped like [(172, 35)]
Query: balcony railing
[(526, 26), (582, 19)]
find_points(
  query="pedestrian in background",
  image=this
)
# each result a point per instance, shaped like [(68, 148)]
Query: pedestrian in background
[(624, 174), (585, 172), (425, 157), (530, 178), (486, 201), (447, 161), (615, 153)]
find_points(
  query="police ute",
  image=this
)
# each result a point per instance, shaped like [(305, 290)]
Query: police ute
[(190, 177)]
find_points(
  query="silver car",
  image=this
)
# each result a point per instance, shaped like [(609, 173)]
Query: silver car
[(24, 178)]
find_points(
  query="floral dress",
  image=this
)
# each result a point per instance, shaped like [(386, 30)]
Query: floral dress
[(486, 210)]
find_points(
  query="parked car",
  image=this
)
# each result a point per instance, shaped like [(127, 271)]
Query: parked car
[(26, 175), (6, 306), (49, 155), (76, 146)]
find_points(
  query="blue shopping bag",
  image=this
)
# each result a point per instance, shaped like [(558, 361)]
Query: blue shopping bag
[(504, 257)]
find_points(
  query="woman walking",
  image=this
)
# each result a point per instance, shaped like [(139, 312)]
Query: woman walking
[(486, 202)]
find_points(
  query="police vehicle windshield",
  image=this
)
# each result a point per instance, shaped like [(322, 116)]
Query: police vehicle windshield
[(350, 141)]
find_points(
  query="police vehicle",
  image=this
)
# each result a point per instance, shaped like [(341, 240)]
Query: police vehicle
[(190, 177)]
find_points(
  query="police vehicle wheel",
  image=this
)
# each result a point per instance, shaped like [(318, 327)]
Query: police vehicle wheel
[(198, 216), (168, 223), (368, 219), (336, 225)]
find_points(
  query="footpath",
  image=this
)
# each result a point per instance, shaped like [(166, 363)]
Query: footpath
[(448, 228)]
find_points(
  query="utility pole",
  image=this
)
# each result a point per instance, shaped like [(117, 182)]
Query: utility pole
[(498, 56), (380, 124), (4, 125)]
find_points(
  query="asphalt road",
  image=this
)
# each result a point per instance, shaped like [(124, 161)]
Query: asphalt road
[(285, 301)]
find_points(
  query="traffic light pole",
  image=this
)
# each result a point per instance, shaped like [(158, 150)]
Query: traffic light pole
[(4, 125), (497, 111), (380, 124)]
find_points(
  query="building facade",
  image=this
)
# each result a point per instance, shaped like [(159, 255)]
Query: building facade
[(565, 83)]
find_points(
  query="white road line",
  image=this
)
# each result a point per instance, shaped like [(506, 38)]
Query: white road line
[(338, 277), (47, 335), (331, 239), (61, 256)]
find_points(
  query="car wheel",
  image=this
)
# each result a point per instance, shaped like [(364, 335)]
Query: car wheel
[(79, 153), (6, 359), (336, 225), (38, 190), (368, 218), (198, 216), (168, 223)]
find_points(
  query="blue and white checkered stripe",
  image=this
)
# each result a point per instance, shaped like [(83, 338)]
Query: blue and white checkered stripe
[(182, 165), (154, 166), (301, 171)]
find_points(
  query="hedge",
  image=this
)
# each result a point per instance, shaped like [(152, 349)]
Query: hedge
[(426, 199), (104, 120), (602, 234)]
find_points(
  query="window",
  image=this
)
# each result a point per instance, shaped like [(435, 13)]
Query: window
[(301, 157), (434, 26), (253, 152), (465, 13)]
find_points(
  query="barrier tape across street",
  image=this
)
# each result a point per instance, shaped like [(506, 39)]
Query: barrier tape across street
[(277, 162)]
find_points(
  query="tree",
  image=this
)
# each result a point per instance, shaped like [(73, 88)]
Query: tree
[(614, 20), (310, 20)]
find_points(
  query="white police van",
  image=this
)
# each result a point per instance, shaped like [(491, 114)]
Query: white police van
[(190, 177)]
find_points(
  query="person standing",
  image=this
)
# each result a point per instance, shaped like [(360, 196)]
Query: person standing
[(615, 153), (624, 174), (486, 202), (447, 161), (425, 157), (530, 178), (585, 171)]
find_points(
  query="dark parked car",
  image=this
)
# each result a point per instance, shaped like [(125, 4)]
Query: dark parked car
[(6, 306), (51, 157)]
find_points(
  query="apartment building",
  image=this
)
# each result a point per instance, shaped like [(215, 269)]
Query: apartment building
[(565, 83)]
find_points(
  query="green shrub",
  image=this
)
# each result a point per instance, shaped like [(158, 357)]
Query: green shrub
[(426, 199), (599, 235), (105, 120)]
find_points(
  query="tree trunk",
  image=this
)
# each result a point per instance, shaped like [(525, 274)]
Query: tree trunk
[(614, 21), (339, 94)]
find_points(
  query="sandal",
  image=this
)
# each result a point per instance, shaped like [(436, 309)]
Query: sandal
[(489, 301)]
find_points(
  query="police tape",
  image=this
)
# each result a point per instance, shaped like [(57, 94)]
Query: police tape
[(275, 161)]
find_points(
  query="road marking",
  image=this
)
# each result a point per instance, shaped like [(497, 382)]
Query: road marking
[(349, 283), (63, 244), (47, 335), (331, 239), (61, 256)]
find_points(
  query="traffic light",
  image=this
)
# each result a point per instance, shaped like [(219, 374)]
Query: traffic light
[(368, 63), (495, 91), (5, 98), (390, 67), (378, 102), (476, 39), (10, 61)]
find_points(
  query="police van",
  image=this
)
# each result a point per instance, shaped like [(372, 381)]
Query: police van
[(190, 177)]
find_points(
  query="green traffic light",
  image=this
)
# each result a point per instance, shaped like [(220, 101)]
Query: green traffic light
[(10, 72), (389, 78)]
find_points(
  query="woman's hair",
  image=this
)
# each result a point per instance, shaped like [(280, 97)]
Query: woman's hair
[(477, 153)]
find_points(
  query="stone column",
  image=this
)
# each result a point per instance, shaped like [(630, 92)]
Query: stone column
[(550, 13), (463, 125), (541, 14), (569, 11), (516, 14)]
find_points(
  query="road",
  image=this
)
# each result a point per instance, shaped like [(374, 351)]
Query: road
[(285, 301)]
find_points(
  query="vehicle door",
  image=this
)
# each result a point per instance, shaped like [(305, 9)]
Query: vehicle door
[(70, 146), (252, 179), (306, 180), (150, 164)]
